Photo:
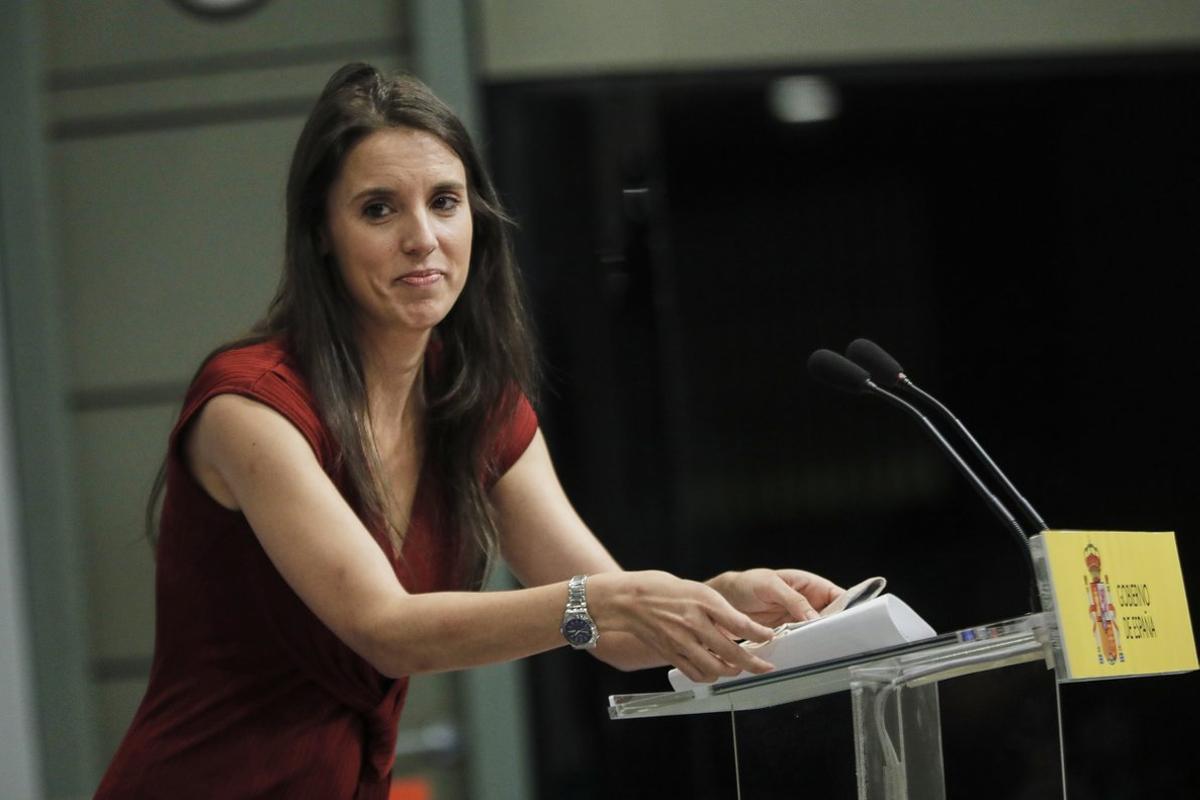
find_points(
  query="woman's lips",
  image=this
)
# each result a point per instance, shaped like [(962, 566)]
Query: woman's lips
[(423, 277)]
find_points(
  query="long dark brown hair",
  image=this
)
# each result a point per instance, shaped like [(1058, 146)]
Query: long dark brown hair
[(485, 345)]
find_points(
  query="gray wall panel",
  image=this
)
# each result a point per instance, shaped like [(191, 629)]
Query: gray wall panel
[(120, 451), (84, 35), (528, 38), (116, 702), (173, 245)]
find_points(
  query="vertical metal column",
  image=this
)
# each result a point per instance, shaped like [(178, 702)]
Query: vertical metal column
[(49, 540), (493, 707)]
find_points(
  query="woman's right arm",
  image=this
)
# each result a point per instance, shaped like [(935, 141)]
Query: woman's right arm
[(248, 457)]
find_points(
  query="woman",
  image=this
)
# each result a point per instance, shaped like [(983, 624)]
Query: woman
[(337, 484)]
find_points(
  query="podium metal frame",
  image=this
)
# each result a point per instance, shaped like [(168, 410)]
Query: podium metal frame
[(896, 717)]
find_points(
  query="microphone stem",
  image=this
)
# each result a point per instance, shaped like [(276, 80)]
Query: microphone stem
[(993, 502), (979, 451)]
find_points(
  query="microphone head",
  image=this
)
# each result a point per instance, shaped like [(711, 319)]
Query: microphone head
[(884, 369), (837, 371)]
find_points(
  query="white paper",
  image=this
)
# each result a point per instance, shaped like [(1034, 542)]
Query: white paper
[(882, 622)]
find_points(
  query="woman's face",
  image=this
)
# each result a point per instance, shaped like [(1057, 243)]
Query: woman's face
[(398, 224)]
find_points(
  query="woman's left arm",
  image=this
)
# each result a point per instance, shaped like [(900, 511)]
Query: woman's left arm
[(543, 540)]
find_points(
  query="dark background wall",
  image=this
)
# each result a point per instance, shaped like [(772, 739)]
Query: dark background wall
[(1021, 235)]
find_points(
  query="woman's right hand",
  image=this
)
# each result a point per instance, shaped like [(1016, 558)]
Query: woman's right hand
[(686, 623)]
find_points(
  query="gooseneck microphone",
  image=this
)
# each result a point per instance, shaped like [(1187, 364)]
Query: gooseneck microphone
[(839, 372), (886, 371)]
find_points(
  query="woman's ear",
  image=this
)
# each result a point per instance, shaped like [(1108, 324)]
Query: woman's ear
[(322, 241)]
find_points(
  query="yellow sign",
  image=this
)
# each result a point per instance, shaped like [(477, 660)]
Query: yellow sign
[(1119, 602)]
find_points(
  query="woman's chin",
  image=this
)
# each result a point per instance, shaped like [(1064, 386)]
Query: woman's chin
[(420, 319)]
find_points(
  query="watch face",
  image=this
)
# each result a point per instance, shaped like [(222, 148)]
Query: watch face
[(578, 631)]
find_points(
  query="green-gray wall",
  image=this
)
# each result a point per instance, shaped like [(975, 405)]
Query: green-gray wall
[(141, 181)]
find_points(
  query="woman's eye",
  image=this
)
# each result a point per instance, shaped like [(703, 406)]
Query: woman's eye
[(446, 202), (376, 210)]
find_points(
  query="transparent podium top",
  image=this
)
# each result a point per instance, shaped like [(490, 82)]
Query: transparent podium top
[(985, 647)]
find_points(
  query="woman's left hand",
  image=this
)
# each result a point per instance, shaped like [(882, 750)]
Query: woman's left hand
[(775, 596)]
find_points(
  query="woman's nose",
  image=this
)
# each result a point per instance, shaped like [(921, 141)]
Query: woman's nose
[(418, 238)]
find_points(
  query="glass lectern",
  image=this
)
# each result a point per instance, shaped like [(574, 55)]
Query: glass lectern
[(894, 695)]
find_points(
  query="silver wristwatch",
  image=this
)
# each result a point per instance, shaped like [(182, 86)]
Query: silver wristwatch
[(578, 627)]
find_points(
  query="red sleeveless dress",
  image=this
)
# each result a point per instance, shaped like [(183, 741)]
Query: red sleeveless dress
[(250, 695)]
